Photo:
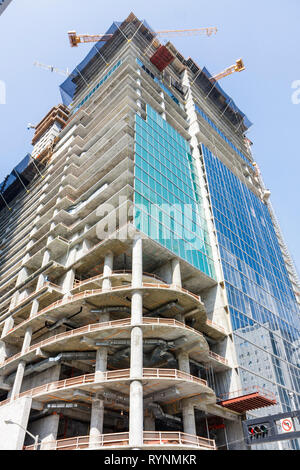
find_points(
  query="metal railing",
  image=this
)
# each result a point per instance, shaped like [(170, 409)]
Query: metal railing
[(219, 358), (90, 293), (98, 327), (150, 438), (122, 374), (78, 283)]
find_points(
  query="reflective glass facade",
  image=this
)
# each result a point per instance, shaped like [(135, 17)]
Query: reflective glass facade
[(221, 134), (264, 312), (160, 83), (167, 196), (91, 93)]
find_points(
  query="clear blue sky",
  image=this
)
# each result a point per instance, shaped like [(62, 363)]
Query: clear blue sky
[(265, 33)]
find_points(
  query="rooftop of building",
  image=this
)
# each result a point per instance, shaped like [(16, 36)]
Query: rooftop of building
[(25, 171)]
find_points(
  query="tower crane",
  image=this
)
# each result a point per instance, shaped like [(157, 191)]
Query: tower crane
[(51, 68), (237, 67), (76, 39)]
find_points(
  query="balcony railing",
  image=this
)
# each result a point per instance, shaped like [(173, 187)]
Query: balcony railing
[(99, 277), (90, 293), (122, 374), (98, 327), (150, 438)]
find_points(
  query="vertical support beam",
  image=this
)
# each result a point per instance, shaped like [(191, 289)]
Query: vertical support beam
[(97, 413), (188, 416), (149, 423), (176, 273), (107, 271), (137, 263), (27, 340), (42, 277), (183, 361), (18, 380), (188, 412), (34, 307), (136, 414), (136, 354), (101, 363), (96, 426), (136, 410), (8, 325), (49, 430)]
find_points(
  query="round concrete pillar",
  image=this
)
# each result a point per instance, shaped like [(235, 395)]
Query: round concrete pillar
[(136, 308), (101, 363), (27, 339), (176, 273), (183, 362), (136, 414), (137, 263), (18, 380), (188, 416), (107, 271), (136, 353), (96, 425)]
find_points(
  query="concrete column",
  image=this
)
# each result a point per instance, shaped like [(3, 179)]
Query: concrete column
[(86, 245), (14, 300), (180, 317), (136, 308), (137, 281), (97, 419), (136, 413), (34, 307), (136, 410), (188, 415), (183, 362), (3, 352), (104, 317), (22, 276), (136, 353), (8, 325), (48, 431), (18, 380), (149, 423), (27, 339), (176, 273), (101, 363), (42, 277), (107, 271), (97, 414), (137, 263), (68, 282)]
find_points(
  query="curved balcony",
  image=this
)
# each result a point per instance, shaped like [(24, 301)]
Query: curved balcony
[(160, 328), (117, 278), (151, 440), (154, 380), (154, 296)]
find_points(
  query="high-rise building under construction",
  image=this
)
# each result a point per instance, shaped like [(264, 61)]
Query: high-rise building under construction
[(3, 5), (147, 298)]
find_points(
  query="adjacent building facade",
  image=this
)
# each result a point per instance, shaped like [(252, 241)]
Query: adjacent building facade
[(147, 297), (3, 5)]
